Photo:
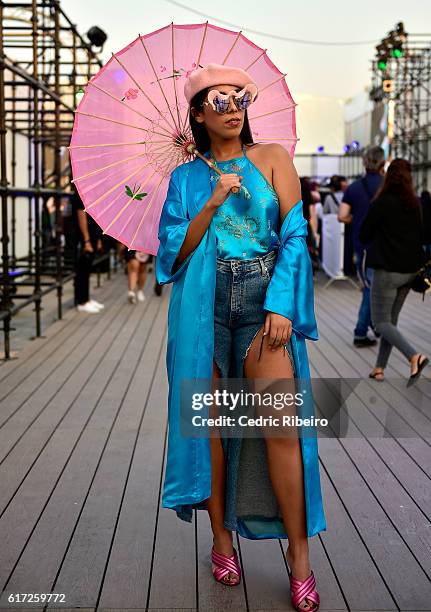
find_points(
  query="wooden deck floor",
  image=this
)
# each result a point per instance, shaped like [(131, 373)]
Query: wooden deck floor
[(82, 448)]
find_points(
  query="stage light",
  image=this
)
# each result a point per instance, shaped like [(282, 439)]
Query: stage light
[(79, 95), (388, 86), (355, 145), (382, 64), (346, 148), (321, 149), (397, 51), (96, 36)]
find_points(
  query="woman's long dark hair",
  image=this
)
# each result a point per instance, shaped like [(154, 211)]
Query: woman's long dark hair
[(199, 131), (399, 182)]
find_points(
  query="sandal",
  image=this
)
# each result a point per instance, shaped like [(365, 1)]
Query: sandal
[(304, 591), (377, 375), (222, 565), (422, 362)]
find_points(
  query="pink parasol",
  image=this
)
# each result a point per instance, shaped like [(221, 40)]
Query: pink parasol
[(131, 128)]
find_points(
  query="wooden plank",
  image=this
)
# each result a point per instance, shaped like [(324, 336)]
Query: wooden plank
[(398, 567), (25, 388), (93, 492), (92, 537), (37, 487), (31, 426), (37, 350), (58, 484), (128, 573), (55, 327), (389, 399), (214, 596), (407, 514), (175, 557), (90, 542), (268, 581), (358, 577)]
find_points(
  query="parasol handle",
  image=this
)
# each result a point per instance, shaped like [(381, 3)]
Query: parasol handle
[(193, 150)]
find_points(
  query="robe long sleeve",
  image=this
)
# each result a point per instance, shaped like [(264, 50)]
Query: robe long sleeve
[(174, 223), (290, 291)]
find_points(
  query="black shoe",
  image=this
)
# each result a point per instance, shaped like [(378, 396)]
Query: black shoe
[(422, 362), (377, 335), (158, 289), (361, 342)]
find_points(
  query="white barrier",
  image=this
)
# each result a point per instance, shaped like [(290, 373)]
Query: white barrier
[(333, 247)]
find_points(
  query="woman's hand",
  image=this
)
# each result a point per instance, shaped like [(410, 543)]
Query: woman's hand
[(279, 329), (224, 185), (88, 247)]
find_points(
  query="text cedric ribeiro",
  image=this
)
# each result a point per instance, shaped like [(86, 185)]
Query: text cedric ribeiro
[(231, 401)]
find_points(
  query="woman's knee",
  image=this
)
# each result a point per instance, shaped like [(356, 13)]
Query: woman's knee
[(382, 326), (282, 443)]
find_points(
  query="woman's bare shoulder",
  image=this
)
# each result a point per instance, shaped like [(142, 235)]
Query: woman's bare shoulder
[(267, 150)]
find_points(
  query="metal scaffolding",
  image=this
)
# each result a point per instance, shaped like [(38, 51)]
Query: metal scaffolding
[(412, 98), (44, 62), (402, 80)]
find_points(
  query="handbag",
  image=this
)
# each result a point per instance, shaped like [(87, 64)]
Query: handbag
[(422, 281)]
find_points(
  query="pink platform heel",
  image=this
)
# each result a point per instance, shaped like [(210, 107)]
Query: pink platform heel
[(222, 565), (304, 591)]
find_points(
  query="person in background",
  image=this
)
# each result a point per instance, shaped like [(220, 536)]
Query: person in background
[(344, 183), (158, 288), (136, 273), (333, 199), (315, 191), (338, 186), (394, 233), (89, 236), (426, 212), (348, 265), (318, 213), (353, 209), (309, 212)]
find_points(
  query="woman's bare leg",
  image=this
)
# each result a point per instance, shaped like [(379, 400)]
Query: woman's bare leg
[(132, 273), (216, 503), (284, 459), (142, 275)]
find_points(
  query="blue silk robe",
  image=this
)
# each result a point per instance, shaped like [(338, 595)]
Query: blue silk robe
[(191, 334)]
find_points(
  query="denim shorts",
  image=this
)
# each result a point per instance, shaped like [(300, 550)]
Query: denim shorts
[(241, 286)]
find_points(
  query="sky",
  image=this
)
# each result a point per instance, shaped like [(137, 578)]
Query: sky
[(339, 72)]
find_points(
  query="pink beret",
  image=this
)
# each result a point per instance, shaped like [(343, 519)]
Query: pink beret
[(215, 74)]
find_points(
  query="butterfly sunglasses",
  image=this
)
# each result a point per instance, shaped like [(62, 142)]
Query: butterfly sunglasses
[(219, 102)]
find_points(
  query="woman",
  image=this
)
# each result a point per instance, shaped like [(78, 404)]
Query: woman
[(310, 214), (242, 288), (335, 196), (394, 232), (136, 274)]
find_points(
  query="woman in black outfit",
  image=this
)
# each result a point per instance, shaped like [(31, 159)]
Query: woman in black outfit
[(308, 211), (393, 232)]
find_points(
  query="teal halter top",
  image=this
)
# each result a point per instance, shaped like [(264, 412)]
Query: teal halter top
[(247, 223)]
